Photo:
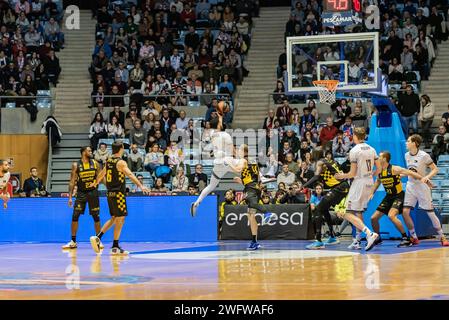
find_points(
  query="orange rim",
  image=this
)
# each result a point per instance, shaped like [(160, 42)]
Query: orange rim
[(329, 84)]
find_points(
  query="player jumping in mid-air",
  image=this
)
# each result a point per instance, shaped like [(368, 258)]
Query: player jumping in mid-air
[(223, 150), (4, 179), (363, 158), (84, 174), (392, 203), (115, 172), (418, 190), (250, 178)]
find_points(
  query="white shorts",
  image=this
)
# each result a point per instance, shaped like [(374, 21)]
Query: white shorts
[(221, 167), (358, 196), (418, 193)]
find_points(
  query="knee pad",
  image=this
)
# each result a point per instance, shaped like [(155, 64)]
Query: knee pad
[(76, 216), (96, 217)]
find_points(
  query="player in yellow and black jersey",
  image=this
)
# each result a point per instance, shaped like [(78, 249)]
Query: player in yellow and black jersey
[(115, 171), (250, 178), (390, 178), (326, 169), (84, 175)]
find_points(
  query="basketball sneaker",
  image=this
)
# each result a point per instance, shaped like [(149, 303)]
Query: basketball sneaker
[(267, 218), (331, 241), (414, 241), (371, 241), (405, 242), (96, 244), (444, 241), (355, 245), (316, 245), (70, 245), (254, 245), (118, 251), (378, 241), (193, 207)]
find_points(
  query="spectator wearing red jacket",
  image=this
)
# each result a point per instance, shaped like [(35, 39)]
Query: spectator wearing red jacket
[(328, 133)]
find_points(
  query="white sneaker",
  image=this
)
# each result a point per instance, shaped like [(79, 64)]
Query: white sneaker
[(371, 240), (355, 245), (96, 244), (70, 245)]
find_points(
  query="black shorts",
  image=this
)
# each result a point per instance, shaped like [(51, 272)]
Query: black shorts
[(337, 193), (117, 204), (392, 202), (90, 197), (253, 195)]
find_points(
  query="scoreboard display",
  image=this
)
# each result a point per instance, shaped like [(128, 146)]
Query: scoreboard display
[(342, 5)]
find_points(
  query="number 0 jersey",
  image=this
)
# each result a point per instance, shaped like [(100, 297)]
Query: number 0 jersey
[(391, 182)]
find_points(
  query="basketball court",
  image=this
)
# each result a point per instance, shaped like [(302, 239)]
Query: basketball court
[(178, 264), (225, 270)]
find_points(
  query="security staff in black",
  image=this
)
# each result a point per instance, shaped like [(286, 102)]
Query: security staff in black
[(392, 203), (84, 175), (250, 178), (326, 169), (115, 171)]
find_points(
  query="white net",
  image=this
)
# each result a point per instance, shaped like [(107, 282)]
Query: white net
[(326, 90)]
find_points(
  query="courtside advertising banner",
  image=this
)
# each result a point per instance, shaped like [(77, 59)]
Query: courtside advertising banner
[(289, 222)]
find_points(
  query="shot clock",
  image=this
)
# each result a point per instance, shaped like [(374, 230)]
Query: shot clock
[(342, 5)]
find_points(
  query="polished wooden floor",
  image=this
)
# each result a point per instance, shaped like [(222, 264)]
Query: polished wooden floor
[(224, 270)]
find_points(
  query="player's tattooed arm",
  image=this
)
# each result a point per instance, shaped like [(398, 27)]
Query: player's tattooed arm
[(72, 182)]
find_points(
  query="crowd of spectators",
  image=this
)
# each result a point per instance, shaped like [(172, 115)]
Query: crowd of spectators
[(171, 52), (30, 35), (157, 58)]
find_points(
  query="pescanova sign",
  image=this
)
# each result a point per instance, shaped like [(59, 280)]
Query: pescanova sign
[(331, 19)]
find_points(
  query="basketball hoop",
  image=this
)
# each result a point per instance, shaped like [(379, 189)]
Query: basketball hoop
[(326, 90)]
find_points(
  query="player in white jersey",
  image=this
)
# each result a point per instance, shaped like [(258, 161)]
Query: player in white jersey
[(223, 149), (363, 159), (4, 179), (419, 191)]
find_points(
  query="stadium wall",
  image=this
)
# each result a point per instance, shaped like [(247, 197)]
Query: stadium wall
[(155, 218)]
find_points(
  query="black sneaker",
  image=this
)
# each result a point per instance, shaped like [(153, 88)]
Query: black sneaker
[(378, 241), (405, 242), (118, 251)]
